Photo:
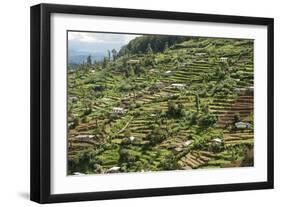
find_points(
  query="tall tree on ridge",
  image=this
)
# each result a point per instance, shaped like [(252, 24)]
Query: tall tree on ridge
[(114, 54), (104, 63), (149, 49), (89, 60), (197, 102), (109, 55), (166, 46)]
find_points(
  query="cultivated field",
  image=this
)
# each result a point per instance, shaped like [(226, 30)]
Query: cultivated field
[(189, 106)]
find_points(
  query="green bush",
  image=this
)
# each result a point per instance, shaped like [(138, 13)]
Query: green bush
[(157, 135), (169, 162), (206, 120), (175, 110)]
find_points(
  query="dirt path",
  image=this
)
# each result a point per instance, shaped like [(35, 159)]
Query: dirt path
[(127, 124)]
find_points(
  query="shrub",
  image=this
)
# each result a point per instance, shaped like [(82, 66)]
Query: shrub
[(200, 142), (175, 110), (169, 163), (248, 159), (220, 73), (206, 120), (191, 117), (87, 111), (85, 119), (124, 87), (99, 87), (157, 135), (237, 117), (126, 155), (74, 124)]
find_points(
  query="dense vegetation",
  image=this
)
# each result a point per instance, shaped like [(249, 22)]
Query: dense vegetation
[(163, 103), (149, 43)]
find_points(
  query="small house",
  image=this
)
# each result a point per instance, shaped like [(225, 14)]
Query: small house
[(132, 138), (118, 110), (251, 89), (240, 90), (178, 85), (159, 84), (217, 140), (216, 144), (78, 173), (73, 98), (113, 170), (168, 73), (132, 62), (153, 71), (187, 143), (248, 90), (105, 99), (178, 149), (201, 54), (242, 125), (223, 59), (84, 137)]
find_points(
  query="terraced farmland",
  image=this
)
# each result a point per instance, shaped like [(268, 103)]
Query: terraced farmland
[(189, 106)]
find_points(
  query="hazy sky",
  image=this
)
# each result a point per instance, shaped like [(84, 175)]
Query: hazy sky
[(97, 42)]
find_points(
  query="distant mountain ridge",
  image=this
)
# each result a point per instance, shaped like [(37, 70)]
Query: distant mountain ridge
[(79, 57)]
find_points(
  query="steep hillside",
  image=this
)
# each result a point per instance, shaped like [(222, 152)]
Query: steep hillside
[(178, 107)]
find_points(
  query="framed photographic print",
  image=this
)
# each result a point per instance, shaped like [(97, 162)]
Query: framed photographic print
[(132, 103)]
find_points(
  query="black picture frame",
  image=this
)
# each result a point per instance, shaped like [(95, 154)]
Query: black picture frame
[(41, 96)]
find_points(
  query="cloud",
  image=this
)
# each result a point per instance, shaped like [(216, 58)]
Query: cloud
[(107, 38), (92, 42)]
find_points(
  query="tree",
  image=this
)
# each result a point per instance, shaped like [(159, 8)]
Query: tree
[(248, 159), (149, 49), (193, 118), (237, 117), (172, 108), (197, 102), (175, 110), (138, 69), (75, 123), (104, 63), (206, 109), (207, 120), (157, 135), (114, 54), (109, 54), (157, 42), (169, 163), (89, 60), (166, 46), (126, 156), (87, 111), (131, 71), (220, 72)]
